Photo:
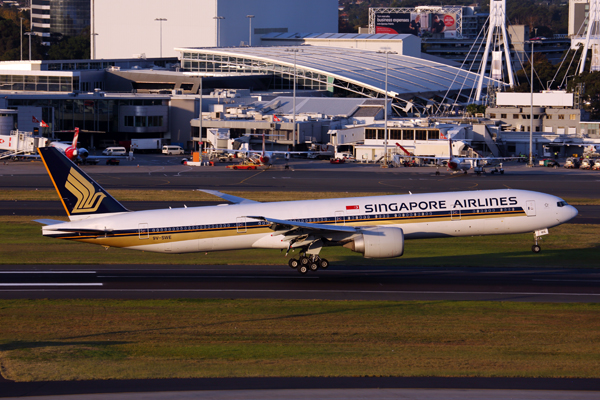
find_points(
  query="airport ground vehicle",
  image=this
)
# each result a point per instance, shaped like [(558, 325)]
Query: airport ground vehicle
[(115, 151), (549, 162), (171, 149), (586, 163), (146, 145), (375, 226), (596, 166), (572, 162), (112, 161), (246, 164)]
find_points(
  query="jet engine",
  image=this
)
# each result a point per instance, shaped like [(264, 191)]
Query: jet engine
[(378, 243)]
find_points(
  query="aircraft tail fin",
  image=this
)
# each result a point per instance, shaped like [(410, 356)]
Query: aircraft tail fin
[(80, 194)]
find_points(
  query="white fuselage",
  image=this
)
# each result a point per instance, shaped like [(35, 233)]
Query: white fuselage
[(228, 227)]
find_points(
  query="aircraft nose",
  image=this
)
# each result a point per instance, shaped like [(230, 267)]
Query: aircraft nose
[(572, 212)]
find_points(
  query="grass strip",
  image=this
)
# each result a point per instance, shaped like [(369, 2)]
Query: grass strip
[(567, 246), (45, 340), (192, 195)]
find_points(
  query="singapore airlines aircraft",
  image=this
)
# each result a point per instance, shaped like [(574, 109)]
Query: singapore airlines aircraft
[(374, 226)]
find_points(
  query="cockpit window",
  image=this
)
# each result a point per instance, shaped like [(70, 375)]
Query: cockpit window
[(562, 203)]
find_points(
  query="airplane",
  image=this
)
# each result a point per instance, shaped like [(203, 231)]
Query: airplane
[(458, 164), (264, 157), (70, 150), (375, 226), (78, 155)]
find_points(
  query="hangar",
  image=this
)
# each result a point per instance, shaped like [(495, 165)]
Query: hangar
[(416, 86)]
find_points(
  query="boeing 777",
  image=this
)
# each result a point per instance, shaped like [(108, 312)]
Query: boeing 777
[(375, 226)]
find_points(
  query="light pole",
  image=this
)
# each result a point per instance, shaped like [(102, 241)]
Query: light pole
[(94, 45), (160, 20), (21, 38), (385, 156), (218, 18), (30, 34), (530, 162), (295, 51), (250, 29)]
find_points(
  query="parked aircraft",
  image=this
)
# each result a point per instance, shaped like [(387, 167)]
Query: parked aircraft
[(374, 226), (463, 164), (78, 155), (265, 157)]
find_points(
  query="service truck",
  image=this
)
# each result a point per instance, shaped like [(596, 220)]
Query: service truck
[(146, 145)]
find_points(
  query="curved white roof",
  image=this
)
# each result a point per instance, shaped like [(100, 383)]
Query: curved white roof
[(407, 76)]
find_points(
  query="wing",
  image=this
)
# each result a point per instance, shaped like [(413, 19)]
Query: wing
[(299, 234), (228, 197), (284, 225)]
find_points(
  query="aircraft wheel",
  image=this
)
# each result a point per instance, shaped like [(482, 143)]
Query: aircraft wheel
[(492, 172), (304, 260), (323, 263), (479, 173), (465, 172), (437, 172), (313, 266), (501, 172), (293, 263), (535, 248), (303, 269)]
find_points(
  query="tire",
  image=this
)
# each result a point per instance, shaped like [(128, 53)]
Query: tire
[(303, 269), (501, 172), (293, 263), (304, 261), (313, 266), (536, 249), (323, 263)]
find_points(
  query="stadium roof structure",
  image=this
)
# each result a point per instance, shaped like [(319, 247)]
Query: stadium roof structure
[(412, 82)]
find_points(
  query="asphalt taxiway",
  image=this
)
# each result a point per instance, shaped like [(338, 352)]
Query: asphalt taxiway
[(151, 172)]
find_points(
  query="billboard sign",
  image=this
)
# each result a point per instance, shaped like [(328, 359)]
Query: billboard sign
[(417, 23), (392, 23)]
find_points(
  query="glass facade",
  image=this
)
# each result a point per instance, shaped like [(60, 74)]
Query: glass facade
[(37, 83), (98, 114), (66, 17), (283, 76)]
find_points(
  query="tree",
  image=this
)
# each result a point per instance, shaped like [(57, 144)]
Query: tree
[(71, 48)]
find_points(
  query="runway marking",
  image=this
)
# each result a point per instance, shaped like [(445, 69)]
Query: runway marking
[(209, 276), (50, 284), (47, 272), (188, 170), (326, 291), (567, 280)]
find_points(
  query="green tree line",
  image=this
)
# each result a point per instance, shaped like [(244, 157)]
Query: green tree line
[(65, 48)]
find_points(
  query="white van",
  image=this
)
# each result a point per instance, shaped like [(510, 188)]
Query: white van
[(115, 151), (172, 150)]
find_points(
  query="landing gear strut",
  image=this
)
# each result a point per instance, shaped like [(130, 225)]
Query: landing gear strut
[(536, 247)]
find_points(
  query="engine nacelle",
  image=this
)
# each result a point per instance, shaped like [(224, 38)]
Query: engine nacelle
[(379, 243)]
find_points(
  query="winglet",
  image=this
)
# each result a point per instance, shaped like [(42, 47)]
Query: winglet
[(228, 197)]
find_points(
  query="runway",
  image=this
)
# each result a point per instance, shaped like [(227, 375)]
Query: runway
[(281, 282)]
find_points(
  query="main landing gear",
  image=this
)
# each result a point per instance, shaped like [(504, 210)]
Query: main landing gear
[(305, 263)]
